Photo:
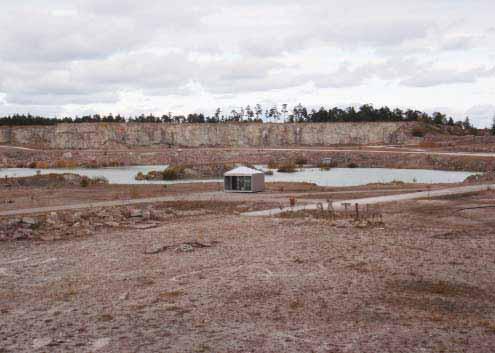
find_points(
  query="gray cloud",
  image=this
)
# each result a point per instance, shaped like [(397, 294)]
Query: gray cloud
[(435, 77), (89, 52)]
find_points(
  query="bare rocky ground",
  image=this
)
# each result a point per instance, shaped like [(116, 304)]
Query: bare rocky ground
[(204, 279)]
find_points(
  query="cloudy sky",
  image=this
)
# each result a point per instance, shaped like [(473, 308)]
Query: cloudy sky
[(63, 57)]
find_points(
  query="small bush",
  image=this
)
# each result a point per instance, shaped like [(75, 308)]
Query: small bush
[(173, 172), (97, 180), (288, 167), (85, 182), (272, 165), (301, 161), (418, 132), (39, 165), (327, 165), (65, 164), (352, 165), (92, 164)]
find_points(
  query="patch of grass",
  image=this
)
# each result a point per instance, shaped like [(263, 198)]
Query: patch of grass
[(171, 295)]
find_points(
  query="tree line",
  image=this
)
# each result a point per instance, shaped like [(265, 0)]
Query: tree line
[(298, 114)]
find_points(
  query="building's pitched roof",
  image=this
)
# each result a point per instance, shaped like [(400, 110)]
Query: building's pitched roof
[(243, 171)]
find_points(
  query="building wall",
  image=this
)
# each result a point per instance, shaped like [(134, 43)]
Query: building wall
[(116, 135)]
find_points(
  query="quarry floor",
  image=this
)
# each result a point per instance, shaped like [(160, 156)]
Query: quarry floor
[(421, 279)]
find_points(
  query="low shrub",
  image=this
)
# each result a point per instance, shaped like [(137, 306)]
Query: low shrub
[(65, 164), (173, 172), (327, 165), (352, 165), (99, 180), (39, 165), (272, 165), (418, 131), (288, 167), (96, 180), (300, 161), (85, 182)]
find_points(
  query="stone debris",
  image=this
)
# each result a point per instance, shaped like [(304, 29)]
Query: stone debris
[(135, 213), (100, 343), (124, 296), (29, 221), (69, 224), (41, 342), (184, 248)]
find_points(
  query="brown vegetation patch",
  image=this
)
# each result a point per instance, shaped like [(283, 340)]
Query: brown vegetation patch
[(171, 295), (437, 287), (441, 301), (453, 235)]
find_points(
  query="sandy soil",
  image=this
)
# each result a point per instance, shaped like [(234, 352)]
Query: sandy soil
[(214, 281)]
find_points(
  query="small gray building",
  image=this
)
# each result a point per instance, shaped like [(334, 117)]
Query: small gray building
[(244, 179)]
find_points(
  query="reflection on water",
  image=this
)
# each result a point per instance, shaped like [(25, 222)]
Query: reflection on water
[(333, 177)]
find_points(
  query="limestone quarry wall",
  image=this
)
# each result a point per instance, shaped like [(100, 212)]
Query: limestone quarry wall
[(117, 135)]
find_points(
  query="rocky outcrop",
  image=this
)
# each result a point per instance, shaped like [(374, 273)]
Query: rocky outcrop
[(134, 135)]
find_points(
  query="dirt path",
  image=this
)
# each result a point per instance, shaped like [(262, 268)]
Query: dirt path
[(376, 200), (364, 149), (195, 196), (17, 148), (459, 154)]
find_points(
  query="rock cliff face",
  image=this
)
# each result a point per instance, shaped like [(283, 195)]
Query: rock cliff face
[(111, 136)]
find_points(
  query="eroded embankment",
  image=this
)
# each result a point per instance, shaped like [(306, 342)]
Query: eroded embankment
[(201, 156)]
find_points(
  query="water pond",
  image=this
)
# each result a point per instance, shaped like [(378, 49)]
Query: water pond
[(333, 177)]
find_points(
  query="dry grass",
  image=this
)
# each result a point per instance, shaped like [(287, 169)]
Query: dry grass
[(296, 304), (171, 295), (105, 318), (65, 164), (39, 165), (438, 287)]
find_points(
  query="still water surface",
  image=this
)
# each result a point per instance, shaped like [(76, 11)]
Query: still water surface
[(333, 177)]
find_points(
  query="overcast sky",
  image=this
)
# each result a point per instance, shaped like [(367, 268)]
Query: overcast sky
[(62, 57)]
